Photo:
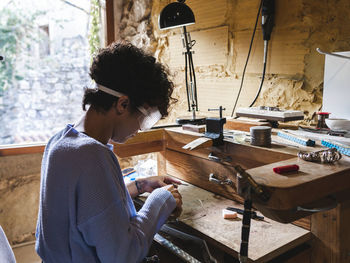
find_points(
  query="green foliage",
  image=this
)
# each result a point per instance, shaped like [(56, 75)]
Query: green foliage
[(16, 35), (94, 34)]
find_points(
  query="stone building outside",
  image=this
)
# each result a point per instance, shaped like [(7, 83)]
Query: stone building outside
[(49, 95)]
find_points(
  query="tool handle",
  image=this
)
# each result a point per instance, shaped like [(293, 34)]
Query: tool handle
[(243, 253), (241, 211), (286, 169)]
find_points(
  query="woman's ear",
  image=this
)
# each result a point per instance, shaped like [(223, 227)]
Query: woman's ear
[(122, 104)]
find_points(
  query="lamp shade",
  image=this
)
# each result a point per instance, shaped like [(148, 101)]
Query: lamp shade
[(175, 15)]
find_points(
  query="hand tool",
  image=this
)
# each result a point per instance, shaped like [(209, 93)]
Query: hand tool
[(254, 215)]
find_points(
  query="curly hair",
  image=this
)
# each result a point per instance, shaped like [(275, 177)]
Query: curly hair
[(127, 69)]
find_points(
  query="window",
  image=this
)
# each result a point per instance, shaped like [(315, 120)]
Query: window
[(42, 78), (44, 45)]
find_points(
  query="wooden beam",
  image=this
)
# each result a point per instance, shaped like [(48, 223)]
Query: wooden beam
[(143, 142), (16, 149), (110, 21)]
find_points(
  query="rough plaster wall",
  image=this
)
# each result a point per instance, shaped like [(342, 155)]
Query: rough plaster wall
[(133, 24), (19, 196), (294, 75)]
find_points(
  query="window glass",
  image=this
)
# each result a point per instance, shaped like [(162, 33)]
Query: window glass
[(45, 66)]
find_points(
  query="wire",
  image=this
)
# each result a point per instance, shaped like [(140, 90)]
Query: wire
[(246, 63), (266, 43)]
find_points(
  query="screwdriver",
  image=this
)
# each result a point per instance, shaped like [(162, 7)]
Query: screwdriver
[(240, 211)]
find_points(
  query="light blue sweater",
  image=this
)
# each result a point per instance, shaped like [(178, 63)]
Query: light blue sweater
[(86, 213)]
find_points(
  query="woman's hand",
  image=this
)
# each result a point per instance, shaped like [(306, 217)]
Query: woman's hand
[(148, 184), (178, 198)]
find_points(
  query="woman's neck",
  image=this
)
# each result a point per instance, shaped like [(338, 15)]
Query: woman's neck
[(96, 124)]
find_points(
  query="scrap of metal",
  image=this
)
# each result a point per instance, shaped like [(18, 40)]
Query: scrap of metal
[(323, 156)]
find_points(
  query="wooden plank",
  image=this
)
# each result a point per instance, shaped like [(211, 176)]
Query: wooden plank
[(209, 97), (147, 136), (141, 143), (251, 156), (210, 48), (161, 163), (286, 52), (268, 239), (196, 171), (304, 222), (242, 125), (332, 235), (110, 21), (13, 149), (208, 14), (288, 192), (138, 148), (244, 14)]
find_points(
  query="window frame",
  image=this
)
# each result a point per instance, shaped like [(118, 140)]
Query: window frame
[(39, 147)]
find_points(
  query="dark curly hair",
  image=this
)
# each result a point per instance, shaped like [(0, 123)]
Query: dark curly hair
[(125, 68)]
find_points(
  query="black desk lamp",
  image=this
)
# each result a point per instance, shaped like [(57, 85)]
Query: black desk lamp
[(178, 14)]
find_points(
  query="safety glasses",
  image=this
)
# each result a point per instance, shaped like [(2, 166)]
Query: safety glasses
[(149, 116)]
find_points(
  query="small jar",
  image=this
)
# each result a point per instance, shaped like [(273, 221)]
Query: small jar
[(321, 119)]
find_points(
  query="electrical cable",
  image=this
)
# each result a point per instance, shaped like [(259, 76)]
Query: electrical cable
[(246, 63), (266, 43), (186, 79)]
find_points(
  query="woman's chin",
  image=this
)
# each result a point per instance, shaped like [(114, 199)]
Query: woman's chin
[(122, 140)]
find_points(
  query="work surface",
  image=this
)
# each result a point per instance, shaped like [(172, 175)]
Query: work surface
[(202, 210), (314, 182)]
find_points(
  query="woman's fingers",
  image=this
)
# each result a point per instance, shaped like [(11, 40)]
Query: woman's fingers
[(170, 180)]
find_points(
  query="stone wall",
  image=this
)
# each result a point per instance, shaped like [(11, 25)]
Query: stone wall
[(48, 97), (19, 196)]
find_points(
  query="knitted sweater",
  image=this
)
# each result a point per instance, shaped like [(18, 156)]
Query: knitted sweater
[(86, 213)]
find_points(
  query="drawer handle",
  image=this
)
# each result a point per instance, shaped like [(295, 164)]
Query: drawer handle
[(332, 205), (214, 158), (214, 179)]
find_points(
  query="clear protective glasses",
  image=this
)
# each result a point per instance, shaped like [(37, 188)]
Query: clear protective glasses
[(149, 116)]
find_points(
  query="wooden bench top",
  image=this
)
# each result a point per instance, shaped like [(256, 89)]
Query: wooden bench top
[(202, 211)]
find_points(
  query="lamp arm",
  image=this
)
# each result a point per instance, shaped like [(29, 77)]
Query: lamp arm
[(189, 71), (186, 79), (194, 81)]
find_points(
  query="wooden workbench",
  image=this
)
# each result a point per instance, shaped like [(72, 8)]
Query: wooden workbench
[(311, 188)]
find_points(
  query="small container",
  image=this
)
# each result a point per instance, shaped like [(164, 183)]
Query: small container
[(239, 137), (321, 117), (260, 136)]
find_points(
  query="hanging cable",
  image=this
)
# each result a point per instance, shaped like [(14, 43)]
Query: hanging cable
[(266, 43), (246, 63)]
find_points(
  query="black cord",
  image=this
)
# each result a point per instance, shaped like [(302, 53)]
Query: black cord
[(263, 75), (246, 63)]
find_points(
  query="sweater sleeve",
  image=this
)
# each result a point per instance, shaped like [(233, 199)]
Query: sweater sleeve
[(118, 238), (106, 217)]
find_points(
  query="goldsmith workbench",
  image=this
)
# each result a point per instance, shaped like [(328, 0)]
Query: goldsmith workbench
[(297, 196)]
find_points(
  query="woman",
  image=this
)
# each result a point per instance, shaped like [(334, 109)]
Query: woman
[(86, 212)]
